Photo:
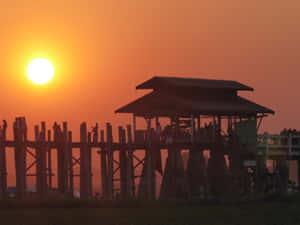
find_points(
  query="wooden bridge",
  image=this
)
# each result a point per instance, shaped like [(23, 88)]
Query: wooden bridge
[(279, 146), (188, 105)]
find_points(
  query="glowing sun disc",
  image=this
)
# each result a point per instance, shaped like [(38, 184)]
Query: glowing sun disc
[(40, 71)]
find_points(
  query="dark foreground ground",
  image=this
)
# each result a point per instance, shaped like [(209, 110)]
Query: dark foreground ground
[(280, 212)]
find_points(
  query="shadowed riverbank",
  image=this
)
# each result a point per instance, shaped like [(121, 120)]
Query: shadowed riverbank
[(270, 211)]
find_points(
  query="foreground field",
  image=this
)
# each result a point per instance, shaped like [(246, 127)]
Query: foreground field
[(284, 212)]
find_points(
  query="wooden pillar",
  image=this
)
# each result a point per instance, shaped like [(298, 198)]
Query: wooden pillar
[(229, 126), (3, 169), (123, 164), (37, 154), (298, 173), (110, 172), (192, 129), (90, 165), (260, 174), (65, 157), (283, 167), (41, 167), (84, 166), (43, 159), (103, 166), (150, 171), (49, 161), (70, 164), (219, 125), (196, 172), (58, 139), (20, 157), (130, 167), (147, 183), (134, 127)]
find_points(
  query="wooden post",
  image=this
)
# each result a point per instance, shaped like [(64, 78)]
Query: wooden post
[(41, 168), (147, 183), (123, 164), (49, 162), (20, 157), (298, 173), (90, 165), (70, 158), (104, 178), (130, 167), (110, 184), (59, 141), (43, 154), (149, 161), (65, 157), (84, 167), (3, 169), (192, 128), (38, 160), (134, 127), (219, 125)]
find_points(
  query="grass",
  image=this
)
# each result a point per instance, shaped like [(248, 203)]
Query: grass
[(272, 212)]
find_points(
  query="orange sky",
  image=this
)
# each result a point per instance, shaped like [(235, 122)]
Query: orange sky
[(102, 49)]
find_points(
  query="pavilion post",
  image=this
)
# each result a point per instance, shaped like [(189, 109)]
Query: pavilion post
[(130, 166), (123, 164), (298, 173), (147, 183), (150, 171), (192, 128), (134, 127)]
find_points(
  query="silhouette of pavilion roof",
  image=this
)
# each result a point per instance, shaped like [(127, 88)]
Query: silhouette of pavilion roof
[(178, 82), (186, 97)]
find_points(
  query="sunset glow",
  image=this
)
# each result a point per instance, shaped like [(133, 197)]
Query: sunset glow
[(40, 71)]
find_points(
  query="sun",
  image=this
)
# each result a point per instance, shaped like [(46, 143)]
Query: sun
[(40, 71)]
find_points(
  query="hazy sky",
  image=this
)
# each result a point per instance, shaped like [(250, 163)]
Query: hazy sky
[(102, 49)]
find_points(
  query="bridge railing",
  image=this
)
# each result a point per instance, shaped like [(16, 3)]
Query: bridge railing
[(277, 143)]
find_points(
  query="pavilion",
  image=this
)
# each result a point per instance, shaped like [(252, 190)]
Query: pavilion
[(187, 102)]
